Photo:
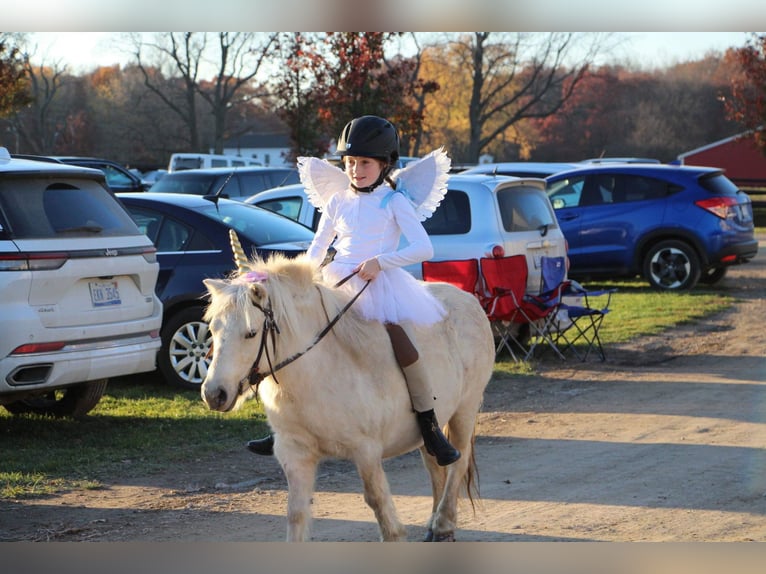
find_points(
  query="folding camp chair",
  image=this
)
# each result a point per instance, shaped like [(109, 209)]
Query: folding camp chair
[(585, 321), (509, 308), (462, 273), (574, 322)]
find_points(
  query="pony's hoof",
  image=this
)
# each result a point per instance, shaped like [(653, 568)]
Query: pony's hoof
[(446, 537)]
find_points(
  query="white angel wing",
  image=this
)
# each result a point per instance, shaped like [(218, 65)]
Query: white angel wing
[(424, 181), (321, 179)]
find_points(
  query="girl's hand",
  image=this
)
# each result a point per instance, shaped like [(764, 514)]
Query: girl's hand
[(369, 269)]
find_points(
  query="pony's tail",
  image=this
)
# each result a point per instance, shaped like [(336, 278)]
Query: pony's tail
[(471, 477)]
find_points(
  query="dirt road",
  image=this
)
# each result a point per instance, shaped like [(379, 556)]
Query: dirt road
[(666, 441)]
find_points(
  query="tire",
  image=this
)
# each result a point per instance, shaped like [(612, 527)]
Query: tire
[(74, 402), (713, 275), (186, 341), (672, 265)]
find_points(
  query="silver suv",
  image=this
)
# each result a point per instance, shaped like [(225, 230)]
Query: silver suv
[(481, 215), (77, 281)]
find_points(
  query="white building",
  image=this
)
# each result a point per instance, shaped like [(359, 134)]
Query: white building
[(266, 149)]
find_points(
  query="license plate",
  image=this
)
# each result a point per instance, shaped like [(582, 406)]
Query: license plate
[(104, 293)]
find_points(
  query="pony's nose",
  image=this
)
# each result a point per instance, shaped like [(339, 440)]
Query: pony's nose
[(215, 399)]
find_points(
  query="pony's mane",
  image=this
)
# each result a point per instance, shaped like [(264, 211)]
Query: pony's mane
[(295, 289)]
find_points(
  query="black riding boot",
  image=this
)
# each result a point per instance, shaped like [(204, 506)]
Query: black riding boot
[(263, 446), (435, 442)]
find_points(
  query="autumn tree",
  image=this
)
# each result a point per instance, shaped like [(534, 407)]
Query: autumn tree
[(330, 79), (512, 77), (13, 81), (747, 103)]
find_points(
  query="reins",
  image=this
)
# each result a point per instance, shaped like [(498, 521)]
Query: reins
[(271, 329)]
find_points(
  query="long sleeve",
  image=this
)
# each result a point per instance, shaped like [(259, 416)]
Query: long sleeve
[(323, 238)]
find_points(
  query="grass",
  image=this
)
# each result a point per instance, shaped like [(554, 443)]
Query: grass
[(143, 427), (135, 430)]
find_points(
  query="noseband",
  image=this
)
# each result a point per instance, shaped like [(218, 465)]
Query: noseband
[(270, 330)]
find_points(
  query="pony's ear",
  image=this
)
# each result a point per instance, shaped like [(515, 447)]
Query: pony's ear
[(258, 293), (214, 286)]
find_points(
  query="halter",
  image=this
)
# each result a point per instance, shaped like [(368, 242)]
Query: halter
[(270, 328)]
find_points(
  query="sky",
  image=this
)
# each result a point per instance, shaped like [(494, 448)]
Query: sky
[(84, 51)]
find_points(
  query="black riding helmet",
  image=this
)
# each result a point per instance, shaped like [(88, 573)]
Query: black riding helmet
[(370, 136)]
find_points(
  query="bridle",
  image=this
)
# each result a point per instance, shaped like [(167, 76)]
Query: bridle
[(270, 330)]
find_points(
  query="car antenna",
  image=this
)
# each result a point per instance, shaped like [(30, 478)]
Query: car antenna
[(217, 195)]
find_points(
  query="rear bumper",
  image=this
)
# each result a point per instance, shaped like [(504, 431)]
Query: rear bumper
[(78, 363), (735, 254)]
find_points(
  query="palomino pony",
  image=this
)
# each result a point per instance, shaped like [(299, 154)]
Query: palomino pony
[(345, 396)]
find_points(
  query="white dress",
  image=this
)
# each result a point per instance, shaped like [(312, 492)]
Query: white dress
[(366, 225)]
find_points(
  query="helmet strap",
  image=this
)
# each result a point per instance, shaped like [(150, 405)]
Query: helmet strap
[(381, 178)]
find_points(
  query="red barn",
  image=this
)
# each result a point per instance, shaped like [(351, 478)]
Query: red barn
[(738, 155)]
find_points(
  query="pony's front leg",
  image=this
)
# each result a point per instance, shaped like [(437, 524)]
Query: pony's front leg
[(377, 495), (301, 474)]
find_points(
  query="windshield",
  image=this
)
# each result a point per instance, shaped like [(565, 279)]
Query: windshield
[(260, 226)]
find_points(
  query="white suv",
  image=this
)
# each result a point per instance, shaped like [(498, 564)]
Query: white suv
[(77, 281)]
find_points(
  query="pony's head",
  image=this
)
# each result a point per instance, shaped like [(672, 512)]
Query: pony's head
[(250, 314)]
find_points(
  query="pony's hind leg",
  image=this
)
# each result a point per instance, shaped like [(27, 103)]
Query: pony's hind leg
[(446, 490), (377, 495)]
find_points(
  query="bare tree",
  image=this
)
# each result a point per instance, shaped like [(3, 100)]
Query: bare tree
[(173, 63), (517, 76)]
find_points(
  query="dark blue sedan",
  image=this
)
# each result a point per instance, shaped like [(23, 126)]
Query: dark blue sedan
[(191, 234)]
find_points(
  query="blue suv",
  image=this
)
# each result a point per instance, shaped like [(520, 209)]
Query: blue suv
[(673, 225)]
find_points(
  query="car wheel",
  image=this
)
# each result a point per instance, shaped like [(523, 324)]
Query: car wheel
[(713, 275), (672, 266), (186, 340), (75, 401)]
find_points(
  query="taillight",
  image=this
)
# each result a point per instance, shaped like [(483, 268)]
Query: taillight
[(498, 251), (150, 254), (32, 261), (718, 206), (38, 348)]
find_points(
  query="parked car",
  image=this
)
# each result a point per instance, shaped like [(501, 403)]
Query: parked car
[(480, 215), (119, 178), (230, 182), (191, 234), (77, 281), (673, 225), (521, 168)]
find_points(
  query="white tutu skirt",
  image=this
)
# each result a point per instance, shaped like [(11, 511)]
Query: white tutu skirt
[(394, 296)]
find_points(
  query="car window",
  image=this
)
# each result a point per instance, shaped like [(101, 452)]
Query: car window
[(65, 208), (284, 177), (287, 206), (524, 209), (639, 188), (185, 182), (452, 217), (253, 183), (173, 235), (114, 177), (566, 192)]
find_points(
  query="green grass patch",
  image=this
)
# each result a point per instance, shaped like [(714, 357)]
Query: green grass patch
[(135, 430), (636, 310)]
